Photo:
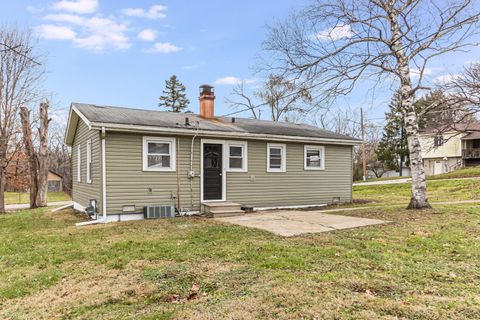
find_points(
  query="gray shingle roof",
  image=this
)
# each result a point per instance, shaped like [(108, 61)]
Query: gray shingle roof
[(141, 117)]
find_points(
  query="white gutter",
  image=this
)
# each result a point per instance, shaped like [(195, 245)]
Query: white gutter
[(104, 188), (224, 134)]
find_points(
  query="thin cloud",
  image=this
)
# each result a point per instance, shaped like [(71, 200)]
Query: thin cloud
[(52, 32), (147, 35), (155, 12), (163, 47), (335, 33), (426, 72), (445, 78), (231, 80), (78, 6)]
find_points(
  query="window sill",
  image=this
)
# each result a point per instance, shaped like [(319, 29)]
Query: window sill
[(158, 170), (236, 170), (313, 169)]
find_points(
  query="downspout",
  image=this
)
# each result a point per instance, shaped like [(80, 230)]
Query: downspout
[(104, 187), (191, 173)]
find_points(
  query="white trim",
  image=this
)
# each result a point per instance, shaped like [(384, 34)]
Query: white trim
[(89, 161), (322, 155), (244, 146), (283, 162), (290, 207), (79, 163), (82, 117), (104, 176), (224, 171), (171, 142), (223, 134), (69, 121)]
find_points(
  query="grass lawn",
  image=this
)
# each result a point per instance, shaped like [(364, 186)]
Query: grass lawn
[(438, 191), (424, 265), (459, 173), (23, 197)]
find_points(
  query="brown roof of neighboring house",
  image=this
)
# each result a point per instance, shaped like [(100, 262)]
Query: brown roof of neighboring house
[(459, 127)]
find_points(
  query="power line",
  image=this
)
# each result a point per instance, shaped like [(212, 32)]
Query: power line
[(14, 49)]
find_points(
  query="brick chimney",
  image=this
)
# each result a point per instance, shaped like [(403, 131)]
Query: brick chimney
[(207, 105)]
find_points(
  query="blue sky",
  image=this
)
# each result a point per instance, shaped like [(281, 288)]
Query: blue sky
[(121, 52)]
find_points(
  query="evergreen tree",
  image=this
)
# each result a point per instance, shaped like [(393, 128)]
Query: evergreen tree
[(174, 97), (393, 147)]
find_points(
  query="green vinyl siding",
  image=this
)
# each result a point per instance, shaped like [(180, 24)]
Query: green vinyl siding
[(82, 191), (296, 186), (128, 184)]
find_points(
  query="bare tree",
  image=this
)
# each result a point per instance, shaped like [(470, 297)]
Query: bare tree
[(60, 154), (464, 89), (31, 155), (284, 99), (283, 96), (241, 100), (38, 157), (19, 75), (334, 44)]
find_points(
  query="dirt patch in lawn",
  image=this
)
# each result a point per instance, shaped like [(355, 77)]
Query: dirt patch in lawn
[(95, 285)]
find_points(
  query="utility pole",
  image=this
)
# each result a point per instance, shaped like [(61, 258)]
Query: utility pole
[(364, 163)]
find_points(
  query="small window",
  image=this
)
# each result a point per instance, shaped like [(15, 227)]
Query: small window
[(79, 163), (237, 156), (158, 154), (438, 140), (314, 158), (276, 157), (89, 161)]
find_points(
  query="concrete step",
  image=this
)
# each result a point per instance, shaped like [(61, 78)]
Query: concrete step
[(224, 209), (220, 206), (227, 213)]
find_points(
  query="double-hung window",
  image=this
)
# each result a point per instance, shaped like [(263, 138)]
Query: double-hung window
[(237, 156), (89, 161), (314, 158), (276, 157), (158, 154), (438, 140), (79, 163)]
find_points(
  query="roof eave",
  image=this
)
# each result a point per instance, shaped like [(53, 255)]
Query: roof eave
[(73, 116), (212, 133)]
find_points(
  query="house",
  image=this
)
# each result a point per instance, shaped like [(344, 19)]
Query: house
[(55, 182), (18, 175), (449, 148), (124, 160)]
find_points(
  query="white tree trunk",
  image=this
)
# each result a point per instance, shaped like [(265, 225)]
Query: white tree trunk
[(419, 198)]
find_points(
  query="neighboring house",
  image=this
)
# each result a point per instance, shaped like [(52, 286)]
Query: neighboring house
[(18, 176), (447, 149), (125, 159), (55, 182)]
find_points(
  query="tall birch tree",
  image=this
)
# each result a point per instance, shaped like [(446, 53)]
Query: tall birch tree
[(334, 45)]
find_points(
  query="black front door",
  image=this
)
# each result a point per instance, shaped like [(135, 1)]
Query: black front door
[(212, 171)]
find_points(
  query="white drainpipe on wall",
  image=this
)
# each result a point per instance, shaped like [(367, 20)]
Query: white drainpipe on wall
[(104, 188)]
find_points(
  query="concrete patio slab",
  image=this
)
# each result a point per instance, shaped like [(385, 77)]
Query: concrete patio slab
[(292, 223)]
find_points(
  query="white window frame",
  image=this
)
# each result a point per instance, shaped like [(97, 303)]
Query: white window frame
[(322, 152), (283, 162), (79, 163), (244, 146), (170, 141), (89, 161)]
